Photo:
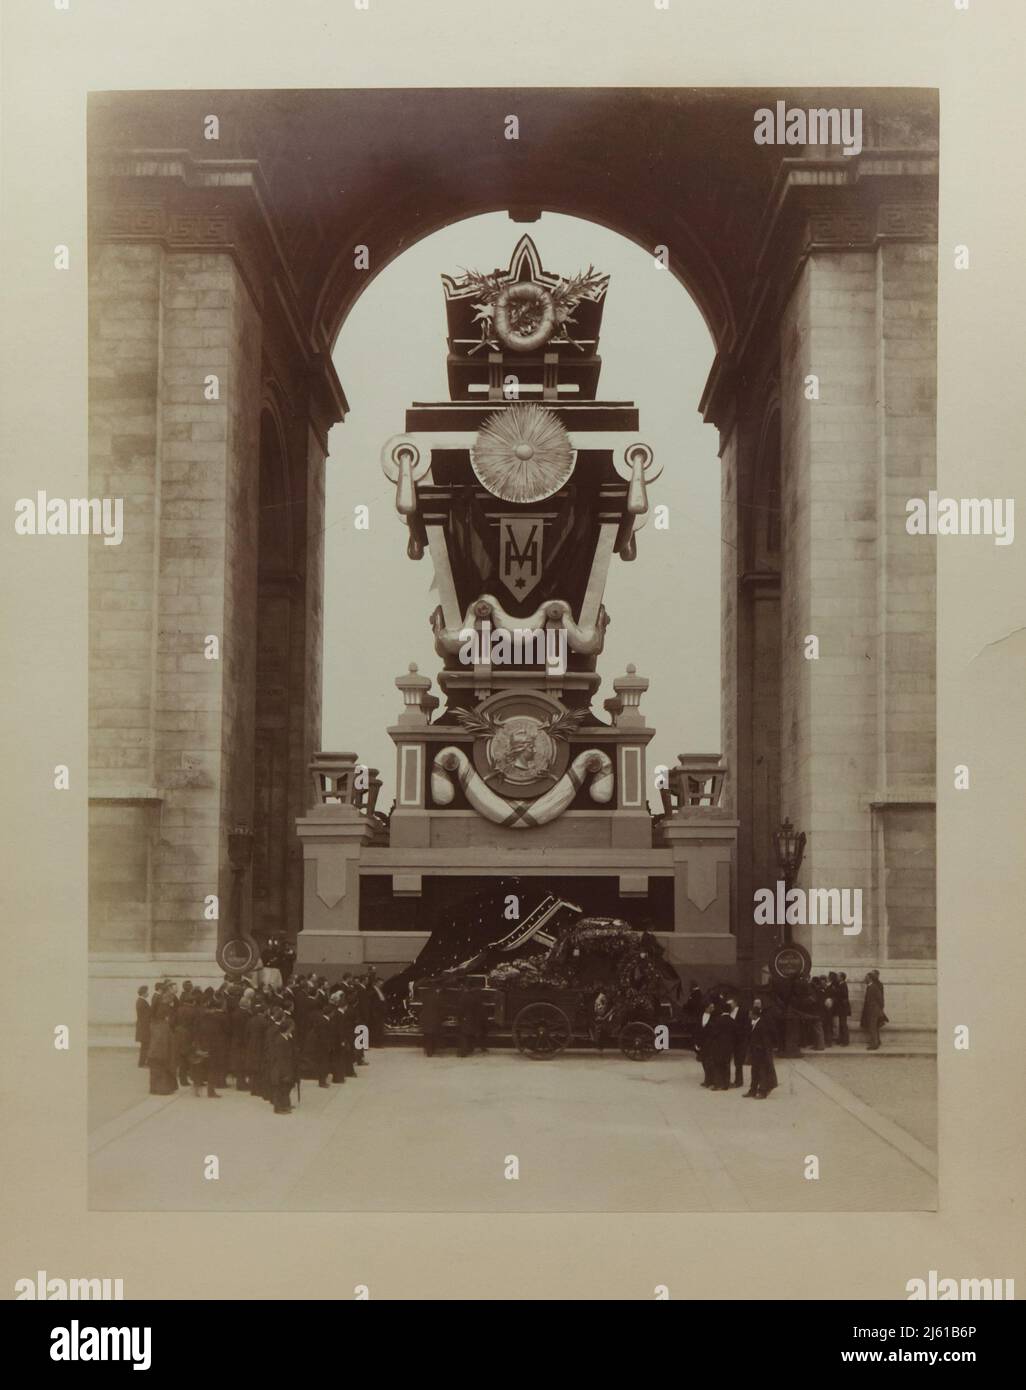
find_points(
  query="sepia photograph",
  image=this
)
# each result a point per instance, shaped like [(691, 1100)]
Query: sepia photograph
[(514, 649), (564, 466)]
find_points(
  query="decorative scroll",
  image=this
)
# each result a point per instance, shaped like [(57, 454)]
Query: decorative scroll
[(586, 640), (521, 815)]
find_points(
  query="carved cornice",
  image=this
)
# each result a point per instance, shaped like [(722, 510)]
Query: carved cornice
[(817, 204), (189, 205)]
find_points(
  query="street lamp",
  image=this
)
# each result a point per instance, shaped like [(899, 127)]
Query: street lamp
[(790, 962), (790, 846)]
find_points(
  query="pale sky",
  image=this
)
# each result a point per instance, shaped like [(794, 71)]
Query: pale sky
[(664, 607)]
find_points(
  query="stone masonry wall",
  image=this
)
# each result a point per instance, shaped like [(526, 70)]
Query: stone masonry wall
[(124, 383), (830, 580), (207, 584), (858, 725)]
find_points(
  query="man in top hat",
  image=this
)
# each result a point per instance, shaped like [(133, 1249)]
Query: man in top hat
[(319, 1041), (761, 1042), (873, 1016), (741, 1027), (282, 1063), (142, 1022), (256, 1029), (718, 1042)]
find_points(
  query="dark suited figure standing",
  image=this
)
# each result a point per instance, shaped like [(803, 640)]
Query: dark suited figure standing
[(220, 1037), (742, 1026), (142, 1022), (238, 1023), (283, 1065), (873, 1016), (703, 1044), (345, 1052), (762, 1039), (432, 1016), (720, 1042), (184, 1024), (376, 1009), (319, 1043), (827, 1007), (843, 1009), (207, 1048), (471, 1021), (256, 1029)]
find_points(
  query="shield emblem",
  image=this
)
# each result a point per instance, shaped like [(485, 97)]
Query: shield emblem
[(520, 553)]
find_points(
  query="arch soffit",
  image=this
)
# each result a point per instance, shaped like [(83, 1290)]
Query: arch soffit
[(398, 228)]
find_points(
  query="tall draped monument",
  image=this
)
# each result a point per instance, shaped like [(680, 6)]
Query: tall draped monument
[(520, 490)]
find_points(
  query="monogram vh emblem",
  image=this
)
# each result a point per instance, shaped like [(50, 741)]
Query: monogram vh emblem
[(520, 553)]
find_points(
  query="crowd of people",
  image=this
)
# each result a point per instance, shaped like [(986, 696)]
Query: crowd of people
[(261, 1036), (727, 1035), (266, 1034), (812, 1013)]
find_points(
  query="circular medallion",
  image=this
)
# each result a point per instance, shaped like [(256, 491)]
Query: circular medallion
[(521, 751), (237, 955), (522, 454), (790, 962), (525, 750)]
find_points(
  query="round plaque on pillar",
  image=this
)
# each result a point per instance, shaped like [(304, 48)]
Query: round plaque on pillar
[(790, 962), (238, 955)]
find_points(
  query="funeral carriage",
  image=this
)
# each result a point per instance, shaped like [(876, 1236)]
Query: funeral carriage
[(558, 978)]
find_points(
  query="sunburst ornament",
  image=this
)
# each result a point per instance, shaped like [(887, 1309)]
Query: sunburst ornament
[(522, 454)]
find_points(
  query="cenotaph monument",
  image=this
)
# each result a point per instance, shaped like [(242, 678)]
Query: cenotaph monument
[(520, 491)]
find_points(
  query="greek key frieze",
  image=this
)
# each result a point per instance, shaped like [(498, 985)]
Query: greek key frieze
[(907, 220)]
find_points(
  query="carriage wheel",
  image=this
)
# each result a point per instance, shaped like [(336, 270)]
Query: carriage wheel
[(637, 1041), (541, 1030)]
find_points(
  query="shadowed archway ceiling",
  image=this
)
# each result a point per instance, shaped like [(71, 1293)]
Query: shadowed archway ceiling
[(384, 168)]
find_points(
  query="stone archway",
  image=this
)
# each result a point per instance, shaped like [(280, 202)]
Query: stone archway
[(234, 261)]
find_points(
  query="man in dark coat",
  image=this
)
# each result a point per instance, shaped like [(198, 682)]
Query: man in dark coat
[(282, 1065), (275, 1017), (161, 1056), (432, 1016), (345, 1049), (873, 1015), (255, 1030), (375, 1008), (471, 1021), (304, 1008), (742, 1027), (238, 1021), (142, 1022), (208, 1044), (761, 1042), (719, 1043), (843, 1009), (319, 1041), (184, 1021), (703, 1051)]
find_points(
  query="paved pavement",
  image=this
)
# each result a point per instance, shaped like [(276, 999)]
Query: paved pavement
[(588, 1133)]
